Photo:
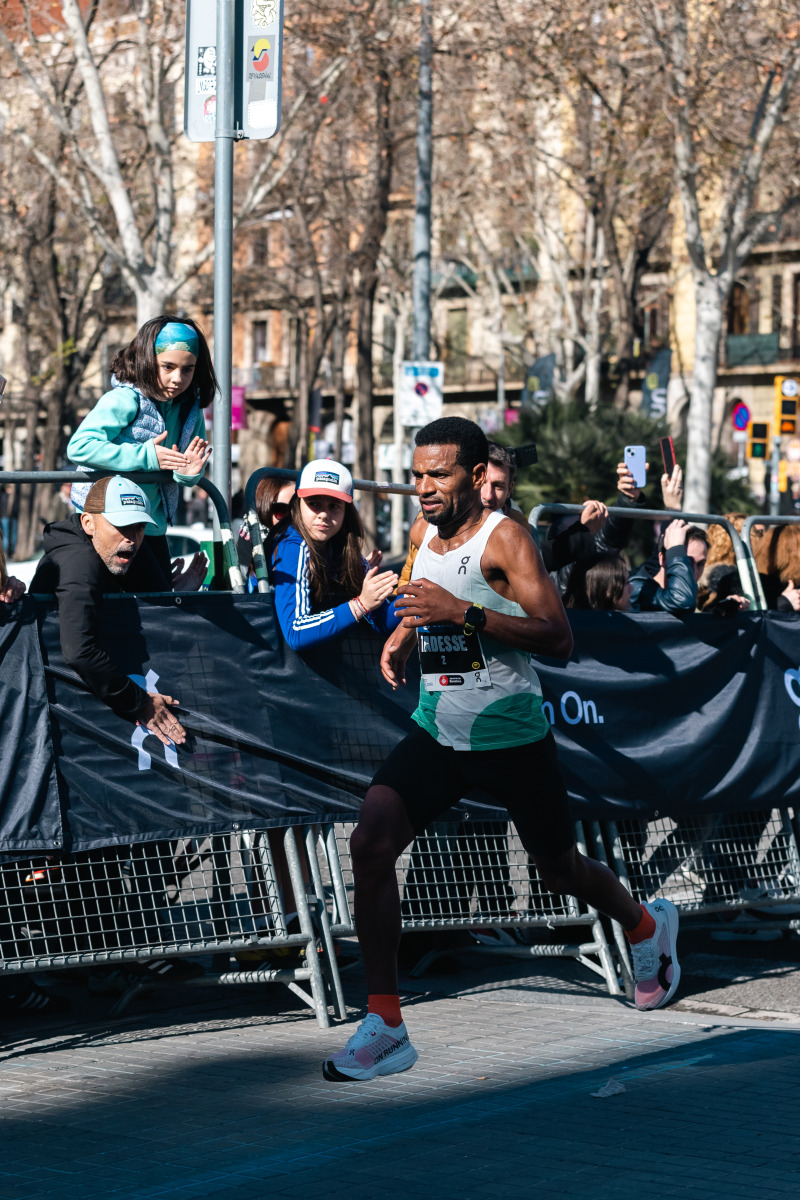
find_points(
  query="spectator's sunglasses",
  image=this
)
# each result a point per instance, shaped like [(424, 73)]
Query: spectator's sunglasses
[(279, 511)]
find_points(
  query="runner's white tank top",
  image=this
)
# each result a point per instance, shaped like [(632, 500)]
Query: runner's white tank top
[(509, 711)]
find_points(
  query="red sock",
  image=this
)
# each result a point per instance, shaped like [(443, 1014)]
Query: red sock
[(387, 1007), (644, 930)]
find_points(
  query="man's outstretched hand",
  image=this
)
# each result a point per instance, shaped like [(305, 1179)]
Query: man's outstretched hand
[(14, 590), (157, 716), (191, 578)]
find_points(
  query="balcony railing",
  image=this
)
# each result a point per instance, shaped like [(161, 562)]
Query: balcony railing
[(751, 349), (465, 371), (264, 378), (757, 350)]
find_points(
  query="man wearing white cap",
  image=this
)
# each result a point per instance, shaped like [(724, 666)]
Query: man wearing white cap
[(87, 556)]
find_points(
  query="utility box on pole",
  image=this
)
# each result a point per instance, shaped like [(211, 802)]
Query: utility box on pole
[(257, 69)]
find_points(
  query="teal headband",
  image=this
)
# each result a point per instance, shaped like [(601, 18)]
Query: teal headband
[(177, 336)]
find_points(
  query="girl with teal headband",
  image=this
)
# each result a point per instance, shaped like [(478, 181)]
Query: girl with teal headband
[(152, 420)]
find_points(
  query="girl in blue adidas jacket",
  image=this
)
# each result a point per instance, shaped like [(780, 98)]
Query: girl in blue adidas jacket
[(323, 584)]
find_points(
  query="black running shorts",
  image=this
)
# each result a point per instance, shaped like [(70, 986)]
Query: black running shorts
[(431, 778)]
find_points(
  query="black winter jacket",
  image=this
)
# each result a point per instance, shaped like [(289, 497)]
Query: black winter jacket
[(73, 570)]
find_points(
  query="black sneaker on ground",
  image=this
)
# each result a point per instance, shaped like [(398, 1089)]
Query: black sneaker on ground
[(29, 998)]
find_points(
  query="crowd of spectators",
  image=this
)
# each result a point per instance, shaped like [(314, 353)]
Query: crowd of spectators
[(314, 545)]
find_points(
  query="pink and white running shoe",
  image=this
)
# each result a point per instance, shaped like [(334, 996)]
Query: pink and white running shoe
[(655, 961), (374, 1049)]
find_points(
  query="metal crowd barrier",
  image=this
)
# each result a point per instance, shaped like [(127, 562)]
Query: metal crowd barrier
[(131, 907), (251, 516), (748, 574), (476, 875), (230, 560), (736, 874)]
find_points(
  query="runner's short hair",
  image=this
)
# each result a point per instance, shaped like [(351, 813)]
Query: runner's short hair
[(468, 437)]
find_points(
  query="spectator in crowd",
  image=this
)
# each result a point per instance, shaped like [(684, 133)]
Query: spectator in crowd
[(777, 555), (323, 584), (272, 506), (720, 588), (501, 475), (599, 581), (602, 530), (60, 505), (667, 582), (152, 420), (91, 555)]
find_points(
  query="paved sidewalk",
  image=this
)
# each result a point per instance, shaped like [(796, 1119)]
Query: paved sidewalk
[(220, 1094)]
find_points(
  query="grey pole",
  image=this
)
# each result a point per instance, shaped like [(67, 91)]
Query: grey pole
[(774, 470), (223, 249), (422, 216)]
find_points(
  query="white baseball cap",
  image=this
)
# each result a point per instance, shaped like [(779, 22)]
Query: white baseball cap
[(324, 477), (124, 503)]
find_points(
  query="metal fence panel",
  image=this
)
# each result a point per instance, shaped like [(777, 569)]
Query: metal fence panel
[(711, 864), (217, 895), (473, 875)]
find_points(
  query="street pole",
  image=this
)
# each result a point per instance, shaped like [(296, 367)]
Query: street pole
[(224, 137), (421, 343), (421, 286), (774, 472)]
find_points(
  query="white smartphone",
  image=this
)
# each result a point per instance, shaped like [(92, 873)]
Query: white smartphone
[(635, 459)]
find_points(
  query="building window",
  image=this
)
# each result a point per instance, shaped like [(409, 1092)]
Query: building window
[(739, 310), (260, 341), (259, 246), (456, 339), (777, 303)]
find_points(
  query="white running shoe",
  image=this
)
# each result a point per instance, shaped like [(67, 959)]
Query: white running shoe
[(374, 1049), (655, 961)]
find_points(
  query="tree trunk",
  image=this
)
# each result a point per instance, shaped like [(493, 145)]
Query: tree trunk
[(709, 302), (337, 354), (398, 502), (26, 530), (365, 445), (150, 302)]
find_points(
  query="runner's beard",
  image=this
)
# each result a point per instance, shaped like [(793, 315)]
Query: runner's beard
[(452, 512)]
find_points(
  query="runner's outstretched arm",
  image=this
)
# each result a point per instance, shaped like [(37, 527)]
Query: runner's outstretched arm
[(513, 566)]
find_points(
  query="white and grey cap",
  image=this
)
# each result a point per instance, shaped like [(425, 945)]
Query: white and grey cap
[(120, 501)]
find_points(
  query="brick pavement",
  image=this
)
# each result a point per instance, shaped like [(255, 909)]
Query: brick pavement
[(221, 1095)]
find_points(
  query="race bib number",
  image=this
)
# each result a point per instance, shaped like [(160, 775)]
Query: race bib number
[(449, 658)]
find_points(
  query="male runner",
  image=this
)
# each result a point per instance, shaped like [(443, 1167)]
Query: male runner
[(480, 602)]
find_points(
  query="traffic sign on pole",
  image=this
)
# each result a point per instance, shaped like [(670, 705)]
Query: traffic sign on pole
[(420, 399), (258, 52), (740, 416)]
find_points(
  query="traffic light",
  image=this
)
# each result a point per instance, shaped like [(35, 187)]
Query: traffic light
[(787, 405), (783, 475), (758, 446)]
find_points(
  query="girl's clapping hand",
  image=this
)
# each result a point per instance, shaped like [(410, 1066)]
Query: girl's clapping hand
[(197, 454), (169, 460)]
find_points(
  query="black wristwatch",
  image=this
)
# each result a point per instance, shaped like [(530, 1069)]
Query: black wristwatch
[(474, 619)]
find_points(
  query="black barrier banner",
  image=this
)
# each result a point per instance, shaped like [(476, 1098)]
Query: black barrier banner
[(30, 814), (653, 714)]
